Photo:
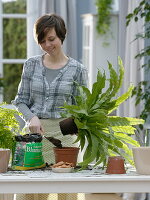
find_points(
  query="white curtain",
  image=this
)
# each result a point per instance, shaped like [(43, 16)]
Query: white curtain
[(128, 49), (66, 9)]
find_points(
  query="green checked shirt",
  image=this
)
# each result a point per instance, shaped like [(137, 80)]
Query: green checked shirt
[(37, 96)]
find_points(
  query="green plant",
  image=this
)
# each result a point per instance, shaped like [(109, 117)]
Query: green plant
[(99, 133), (9, 126), (142, 90), (104, 8)]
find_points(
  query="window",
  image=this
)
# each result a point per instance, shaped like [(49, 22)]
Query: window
[(13, 46)]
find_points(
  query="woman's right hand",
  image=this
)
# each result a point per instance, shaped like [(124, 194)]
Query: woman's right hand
[(35, 125)]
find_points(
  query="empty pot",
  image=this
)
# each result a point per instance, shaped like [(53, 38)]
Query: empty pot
[(141, 156), (115, 165)]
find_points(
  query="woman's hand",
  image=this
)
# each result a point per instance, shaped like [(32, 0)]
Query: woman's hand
[(35, 126)]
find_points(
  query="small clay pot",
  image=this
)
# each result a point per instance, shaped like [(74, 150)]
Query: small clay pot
[(4, 160), (115, 165), (66, 154), (68, 126)]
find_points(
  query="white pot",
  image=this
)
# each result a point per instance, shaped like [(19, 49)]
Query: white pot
[(141, 156)]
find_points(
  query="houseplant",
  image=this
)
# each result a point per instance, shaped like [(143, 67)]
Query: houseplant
[(9, 127), (100, 134)]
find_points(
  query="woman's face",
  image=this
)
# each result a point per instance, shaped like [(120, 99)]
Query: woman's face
[(51, 43)]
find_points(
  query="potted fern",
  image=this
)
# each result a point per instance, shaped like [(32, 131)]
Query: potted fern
[(9, 127), (100, 134)]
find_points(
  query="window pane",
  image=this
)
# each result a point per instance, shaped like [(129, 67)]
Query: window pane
[(12, 75), (14, 6), (14, 38)]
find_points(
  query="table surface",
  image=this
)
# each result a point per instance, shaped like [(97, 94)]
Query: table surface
[(86, 181)]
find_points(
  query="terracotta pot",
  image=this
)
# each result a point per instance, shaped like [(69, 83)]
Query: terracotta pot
[(115, 165), (67, 126), (141, 156), (4, 160), (66, 154)]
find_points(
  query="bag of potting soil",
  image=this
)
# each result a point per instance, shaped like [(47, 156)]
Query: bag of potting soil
[(27, 153)]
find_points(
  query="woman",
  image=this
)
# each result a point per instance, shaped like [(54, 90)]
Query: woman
[(47, 81)]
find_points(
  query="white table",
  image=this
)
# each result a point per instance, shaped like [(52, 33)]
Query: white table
[(82, 182)]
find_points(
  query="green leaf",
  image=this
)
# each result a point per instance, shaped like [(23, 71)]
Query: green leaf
[(91, 151), (121, 72), (129, 16), (96, 89), (99, 116), (79, 124), (81, 138), (122, 98), (127, 139), (113, 80), (124, 129), (124, 121)]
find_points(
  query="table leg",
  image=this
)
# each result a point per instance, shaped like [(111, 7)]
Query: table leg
[(102, 196), (6, 196)]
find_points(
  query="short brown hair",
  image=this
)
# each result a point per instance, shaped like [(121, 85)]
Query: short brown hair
[(45, 23)]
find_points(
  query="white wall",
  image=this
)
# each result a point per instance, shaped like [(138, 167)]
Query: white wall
[(95, 51)]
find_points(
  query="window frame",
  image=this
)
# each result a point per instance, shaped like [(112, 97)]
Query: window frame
[(9, 60)]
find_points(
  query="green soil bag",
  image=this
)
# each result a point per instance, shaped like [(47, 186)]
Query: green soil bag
[(27, 153)]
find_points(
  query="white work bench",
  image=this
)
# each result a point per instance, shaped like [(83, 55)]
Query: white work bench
[(87, 181)]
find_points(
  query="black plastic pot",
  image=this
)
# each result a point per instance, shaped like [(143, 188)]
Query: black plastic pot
[(68, 126)]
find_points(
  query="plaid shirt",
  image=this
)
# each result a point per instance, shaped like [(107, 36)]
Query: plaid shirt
[(37, 97)]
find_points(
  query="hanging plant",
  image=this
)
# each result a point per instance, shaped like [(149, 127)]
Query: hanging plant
[(142, 90), (104, 8)]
